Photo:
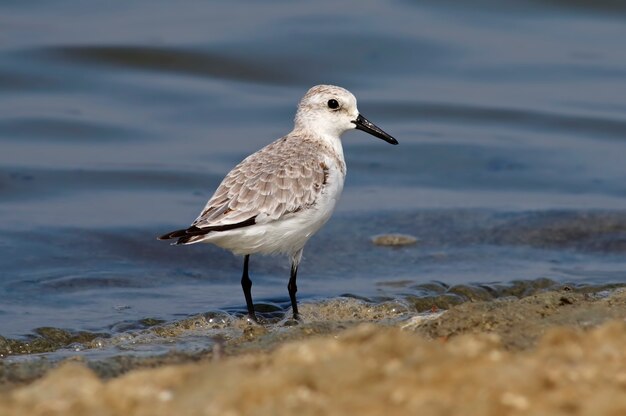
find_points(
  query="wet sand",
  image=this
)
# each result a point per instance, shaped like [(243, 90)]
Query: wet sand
[(555, 352)]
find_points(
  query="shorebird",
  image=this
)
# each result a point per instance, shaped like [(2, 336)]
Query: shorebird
[(277, 198)]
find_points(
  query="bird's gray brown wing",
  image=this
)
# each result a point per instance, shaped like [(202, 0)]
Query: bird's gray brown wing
[(277, 180)]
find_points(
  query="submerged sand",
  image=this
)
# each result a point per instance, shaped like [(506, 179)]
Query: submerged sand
[(553, 353)]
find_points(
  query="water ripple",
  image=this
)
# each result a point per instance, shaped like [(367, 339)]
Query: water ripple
[(64, 129), (575, 124), (174, 60)]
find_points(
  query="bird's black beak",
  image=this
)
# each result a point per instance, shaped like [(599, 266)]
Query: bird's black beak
[(367, 126)]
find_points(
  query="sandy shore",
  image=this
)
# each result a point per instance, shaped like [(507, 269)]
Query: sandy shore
[(553, 353)]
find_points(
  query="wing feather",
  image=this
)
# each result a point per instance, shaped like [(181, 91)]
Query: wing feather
[(265, 186)]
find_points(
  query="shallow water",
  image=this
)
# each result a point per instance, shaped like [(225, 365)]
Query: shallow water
[(118, 120)]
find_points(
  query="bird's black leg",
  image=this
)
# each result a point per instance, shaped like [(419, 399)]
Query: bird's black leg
[(246, 284), (293, 288)]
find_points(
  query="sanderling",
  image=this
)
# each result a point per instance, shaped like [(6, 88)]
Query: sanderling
[(277, 198)]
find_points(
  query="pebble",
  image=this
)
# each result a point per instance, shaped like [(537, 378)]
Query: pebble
[(394, 240)]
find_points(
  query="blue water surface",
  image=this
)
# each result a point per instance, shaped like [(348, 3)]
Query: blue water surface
[(119, 119)]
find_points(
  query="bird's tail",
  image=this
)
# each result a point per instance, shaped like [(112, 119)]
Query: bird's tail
[(185, 236), (195, 234)]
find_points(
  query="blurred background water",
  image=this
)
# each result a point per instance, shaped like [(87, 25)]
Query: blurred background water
[(119, 119)]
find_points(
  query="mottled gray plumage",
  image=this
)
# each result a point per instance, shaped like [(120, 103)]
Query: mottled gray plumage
[(284, 177)]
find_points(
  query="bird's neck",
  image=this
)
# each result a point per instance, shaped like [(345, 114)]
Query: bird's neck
[(334, 143), (330, 141)]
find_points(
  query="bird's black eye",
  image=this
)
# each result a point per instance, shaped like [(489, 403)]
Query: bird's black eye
[(333, 104)]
